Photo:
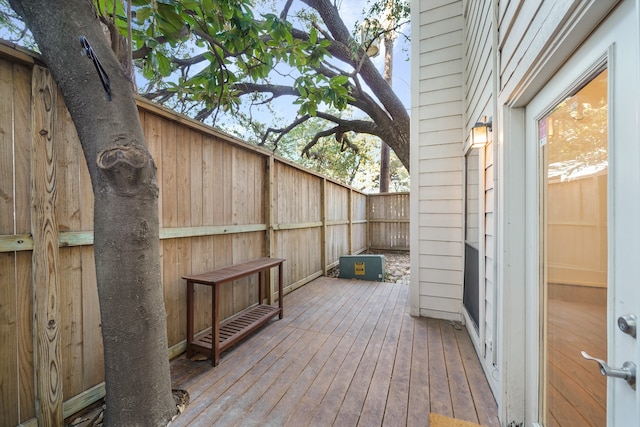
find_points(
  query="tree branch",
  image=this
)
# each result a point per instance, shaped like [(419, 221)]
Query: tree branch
[(282, 131), (146, 50), (285, 9), (359, 126), (316, 138), (276, 90)]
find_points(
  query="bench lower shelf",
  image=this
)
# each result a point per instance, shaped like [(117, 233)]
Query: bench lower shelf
[(235, 329)]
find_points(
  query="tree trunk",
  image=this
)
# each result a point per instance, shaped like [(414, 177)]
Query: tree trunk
[(126, 229), (385, 171), (385, 151)]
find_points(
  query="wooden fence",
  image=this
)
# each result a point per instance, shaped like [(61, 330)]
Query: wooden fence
[(222, 201), (388, 220)]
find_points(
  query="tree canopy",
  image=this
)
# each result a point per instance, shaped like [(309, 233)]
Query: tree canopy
[(206, 58)]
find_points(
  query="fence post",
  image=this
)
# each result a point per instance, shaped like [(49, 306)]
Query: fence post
[(350, 218), (45, 261), (323, 218), (368, 236), (269, 201)]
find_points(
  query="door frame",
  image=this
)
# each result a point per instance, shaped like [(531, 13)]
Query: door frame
[(580, 69), (517, 250)]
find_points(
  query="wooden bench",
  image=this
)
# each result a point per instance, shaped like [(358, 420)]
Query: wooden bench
[(224, 335)]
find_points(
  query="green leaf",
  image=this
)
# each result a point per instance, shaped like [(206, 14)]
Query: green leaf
[(164, 65), (143, 13), (312, 109), (208, 6), (169, 20), (339, 80), (147, 71), (151, 42), (190, 4), (313, 35)]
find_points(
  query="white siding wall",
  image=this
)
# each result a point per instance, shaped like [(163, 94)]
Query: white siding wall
[(437, 164)]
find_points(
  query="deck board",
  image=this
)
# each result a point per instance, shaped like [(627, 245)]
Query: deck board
[(347, 353), (484, 402), (439, 390), (463, 408), (419, 398), (398, 401)]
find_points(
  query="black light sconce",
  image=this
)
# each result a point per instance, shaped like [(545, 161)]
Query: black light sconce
[(479, 135)]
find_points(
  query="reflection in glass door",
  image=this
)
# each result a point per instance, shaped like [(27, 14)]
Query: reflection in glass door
[(574, 161)]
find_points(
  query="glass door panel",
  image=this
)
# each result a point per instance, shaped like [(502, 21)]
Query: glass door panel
[(574, 163)]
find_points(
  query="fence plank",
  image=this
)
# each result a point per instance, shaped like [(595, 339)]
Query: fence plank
[(92, 349), (46, 266), (210, 164), (183, 176), (8, 311), (68, 153), (196, 179), (71, 324), (6, 148), (25, 337), (8, 333), (269, 203)]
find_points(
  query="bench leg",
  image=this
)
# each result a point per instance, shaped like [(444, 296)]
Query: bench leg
[(189, 318), (215, 328), (280, 292)]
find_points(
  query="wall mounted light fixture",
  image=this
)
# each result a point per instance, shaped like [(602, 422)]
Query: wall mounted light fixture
[(479, 135)]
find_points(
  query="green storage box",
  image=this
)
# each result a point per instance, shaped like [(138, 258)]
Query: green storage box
[(363, 267)]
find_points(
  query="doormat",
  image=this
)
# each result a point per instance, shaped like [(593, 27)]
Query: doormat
[(437, 420)]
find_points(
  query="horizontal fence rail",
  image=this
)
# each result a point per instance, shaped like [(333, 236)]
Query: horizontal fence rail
[(222, 201)]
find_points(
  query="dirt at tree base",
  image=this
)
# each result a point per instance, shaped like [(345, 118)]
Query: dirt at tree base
[(93, 415)]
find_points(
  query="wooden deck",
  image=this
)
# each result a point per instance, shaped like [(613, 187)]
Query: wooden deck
[(347, 353)]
